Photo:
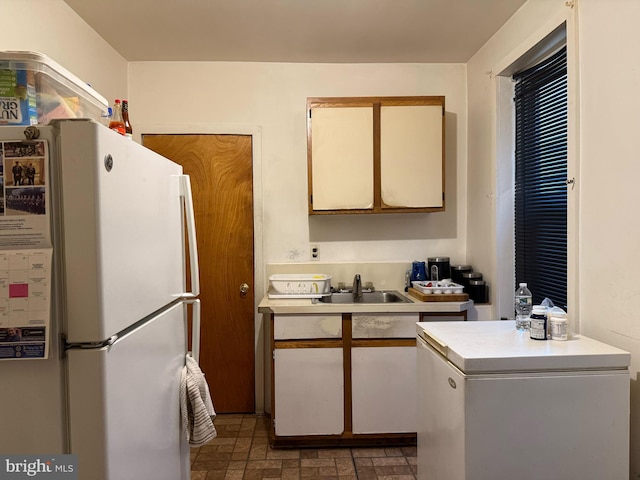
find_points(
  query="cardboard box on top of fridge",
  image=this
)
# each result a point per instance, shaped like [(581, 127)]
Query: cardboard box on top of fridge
[(34, 90)]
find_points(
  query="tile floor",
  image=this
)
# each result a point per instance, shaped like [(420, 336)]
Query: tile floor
[(241, 451)]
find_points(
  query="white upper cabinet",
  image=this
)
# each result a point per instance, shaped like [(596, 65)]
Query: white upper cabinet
[(411, 167), (342, 149), (375, 154)]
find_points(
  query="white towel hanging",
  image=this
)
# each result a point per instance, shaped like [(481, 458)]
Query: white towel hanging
[(196, 405)]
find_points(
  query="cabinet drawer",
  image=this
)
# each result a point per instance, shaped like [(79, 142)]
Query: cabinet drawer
[(294, 327), (400, 325)]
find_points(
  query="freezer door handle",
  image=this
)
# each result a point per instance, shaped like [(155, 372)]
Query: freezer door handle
[(191, 236), (195, 329), (435, 343)]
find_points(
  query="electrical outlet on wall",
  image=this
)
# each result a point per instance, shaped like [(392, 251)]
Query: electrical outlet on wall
[(315, 251)]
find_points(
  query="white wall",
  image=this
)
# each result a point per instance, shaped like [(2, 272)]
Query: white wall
[(610, 164), (603, 36), (272, 96), (490, 187), (52, 28)]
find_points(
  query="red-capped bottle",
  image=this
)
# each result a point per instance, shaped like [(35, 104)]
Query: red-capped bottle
[(116, 122)]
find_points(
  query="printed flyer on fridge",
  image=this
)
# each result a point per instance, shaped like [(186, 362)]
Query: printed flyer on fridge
[(25, 251)]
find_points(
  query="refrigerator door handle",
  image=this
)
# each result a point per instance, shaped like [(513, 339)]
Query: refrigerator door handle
[(195, 330), (185, 187)]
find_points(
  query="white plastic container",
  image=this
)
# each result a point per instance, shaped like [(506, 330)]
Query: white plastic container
[(296, 285), (35, 90), (559, 327)]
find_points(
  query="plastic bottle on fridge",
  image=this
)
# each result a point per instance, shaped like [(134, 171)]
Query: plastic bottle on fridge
[(116, 122), (523, 304), (558, 326), (539, 329), (128, 129)]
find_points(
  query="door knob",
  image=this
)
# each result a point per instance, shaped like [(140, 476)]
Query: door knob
[(244, 289)]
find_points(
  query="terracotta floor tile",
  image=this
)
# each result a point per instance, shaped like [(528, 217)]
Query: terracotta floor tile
[(255, 474), (393, 470), (242, 445), (318, 462), (271, 473), (345, 466), (334, 453), (389, 461), (291, 463), (210, 465), (393, 452), (215, 475), (237, 465), (308, 454), (239, 456), (309, 471), (258, 452), (363, 462), (396, 477), (368, 452), (241, 451), (233, 475), (283, 454), (290, 473)]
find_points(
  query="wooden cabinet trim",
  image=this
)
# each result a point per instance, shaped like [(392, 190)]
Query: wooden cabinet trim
[(346, 362), (384, 342), (313, 343)]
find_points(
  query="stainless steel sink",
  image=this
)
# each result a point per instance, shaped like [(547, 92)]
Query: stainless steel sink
[(382, 296)]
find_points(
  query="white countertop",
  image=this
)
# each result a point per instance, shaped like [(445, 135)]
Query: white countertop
[(306, 306), (496, 346)]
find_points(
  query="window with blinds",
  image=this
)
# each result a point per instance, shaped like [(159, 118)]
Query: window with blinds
[(541, 179)]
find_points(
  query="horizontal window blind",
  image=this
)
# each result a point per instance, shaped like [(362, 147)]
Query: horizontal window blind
[(541, 179)]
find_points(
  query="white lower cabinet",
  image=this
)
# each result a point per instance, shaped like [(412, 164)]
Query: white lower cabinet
[(308, 391), (344, 379), (384, 389)]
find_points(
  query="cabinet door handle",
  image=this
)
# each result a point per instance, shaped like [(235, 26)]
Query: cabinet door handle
[(452, 382)]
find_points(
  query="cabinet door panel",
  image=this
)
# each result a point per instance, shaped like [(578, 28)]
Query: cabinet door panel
[(342, 149), (400, 325), (299, 327), (411, 156), (384, 389), (309, 391)]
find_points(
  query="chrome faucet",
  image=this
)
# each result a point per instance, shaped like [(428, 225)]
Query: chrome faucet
[(357, 288)]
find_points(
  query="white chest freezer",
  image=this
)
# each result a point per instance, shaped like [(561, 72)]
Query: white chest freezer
[(494, 404)]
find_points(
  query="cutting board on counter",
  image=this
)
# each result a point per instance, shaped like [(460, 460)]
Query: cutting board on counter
[(438, 297)]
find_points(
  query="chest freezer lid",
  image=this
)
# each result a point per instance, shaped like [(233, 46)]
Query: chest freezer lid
[(494, 347)]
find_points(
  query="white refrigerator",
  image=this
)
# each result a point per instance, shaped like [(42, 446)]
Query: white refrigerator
[(95, 235), (494, 404)]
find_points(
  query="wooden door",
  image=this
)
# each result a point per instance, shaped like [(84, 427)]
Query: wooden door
[(221, 171)]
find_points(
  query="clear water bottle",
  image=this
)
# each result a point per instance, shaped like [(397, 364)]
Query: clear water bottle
[(524, 305)]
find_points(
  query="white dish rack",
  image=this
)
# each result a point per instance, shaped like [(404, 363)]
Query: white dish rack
[(445, 287), (289, 285)]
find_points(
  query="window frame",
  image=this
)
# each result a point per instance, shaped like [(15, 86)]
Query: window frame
[(558, 32)]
